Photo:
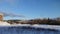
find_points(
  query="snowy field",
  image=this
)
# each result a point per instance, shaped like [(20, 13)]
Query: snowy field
[(6, 28), (56, 27)]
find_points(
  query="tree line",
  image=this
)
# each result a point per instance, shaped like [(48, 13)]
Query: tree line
[(37, 21)]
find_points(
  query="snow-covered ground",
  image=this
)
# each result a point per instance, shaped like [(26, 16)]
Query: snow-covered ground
[(4, 23), (57, 27)]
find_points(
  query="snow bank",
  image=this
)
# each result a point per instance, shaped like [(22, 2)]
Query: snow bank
[(56, 27), (4, 24)]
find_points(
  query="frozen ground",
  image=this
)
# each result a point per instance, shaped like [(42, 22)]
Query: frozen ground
[(56, 27), (4, 23), (6, 28)]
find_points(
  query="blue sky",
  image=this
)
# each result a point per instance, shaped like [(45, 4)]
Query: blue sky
[(31, 8)]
